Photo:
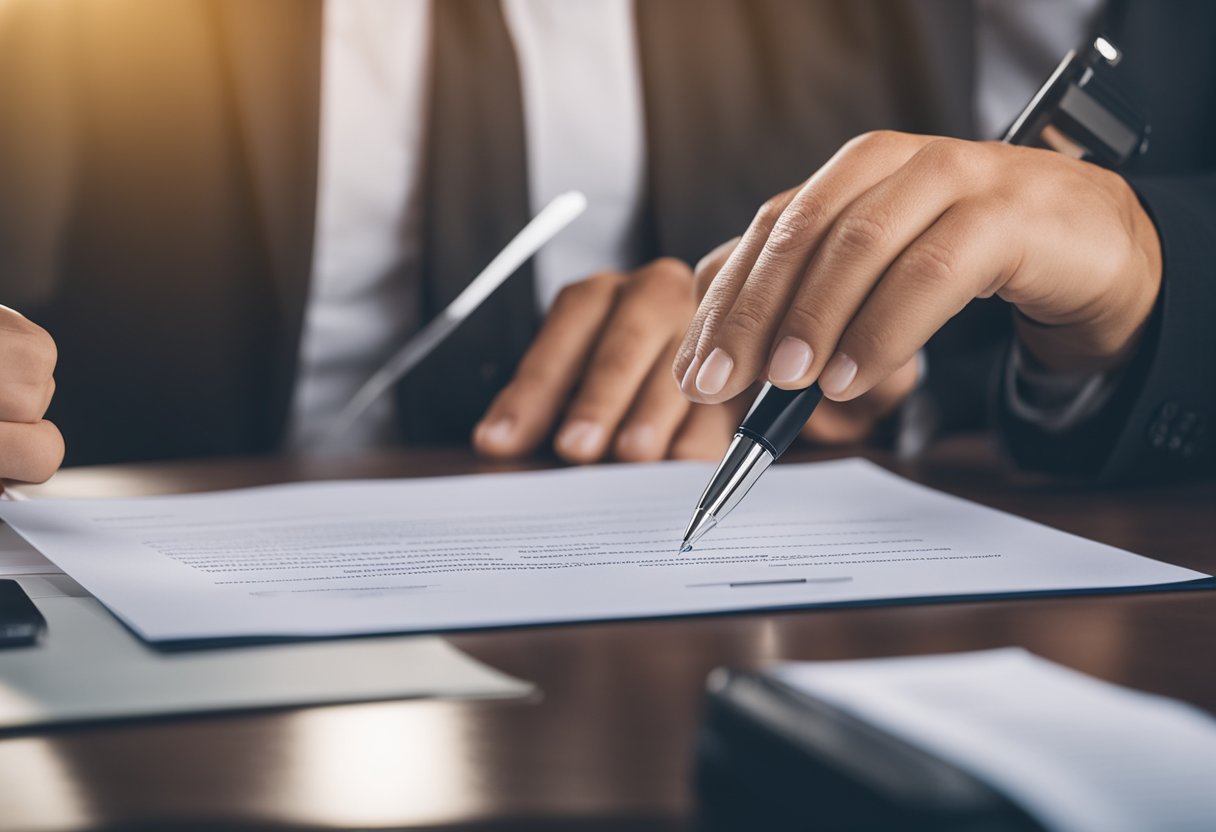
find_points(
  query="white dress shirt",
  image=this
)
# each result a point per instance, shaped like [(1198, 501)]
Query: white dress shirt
[(583, 119), (583, 130)]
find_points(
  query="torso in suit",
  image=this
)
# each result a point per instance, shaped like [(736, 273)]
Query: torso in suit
[(160, 184)]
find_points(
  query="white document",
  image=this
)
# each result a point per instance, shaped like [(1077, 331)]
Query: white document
[(571, 545), (17, 557), (1079, 754)]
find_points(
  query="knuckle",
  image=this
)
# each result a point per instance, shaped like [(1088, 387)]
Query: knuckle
[(770, 212), (14, 321), (865, 340), (48, 348), (807, 320), (873, 140), (668, 268), (24, 402), (585, 290), (856, 232), (33, 355), (952, 157), (793, 229), (931, 263), (747, 321), (663, 286)]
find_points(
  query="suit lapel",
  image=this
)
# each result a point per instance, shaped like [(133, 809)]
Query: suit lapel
[(274, 53)]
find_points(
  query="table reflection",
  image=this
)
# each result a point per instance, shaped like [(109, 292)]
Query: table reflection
[(38, 788), (377, 765)]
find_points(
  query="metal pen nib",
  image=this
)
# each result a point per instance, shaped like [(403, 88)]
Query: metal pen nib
[(745, 461), (700, 524)]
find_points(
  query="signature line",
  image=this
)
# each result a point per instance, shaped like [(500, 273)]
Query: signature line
[(733, 584)]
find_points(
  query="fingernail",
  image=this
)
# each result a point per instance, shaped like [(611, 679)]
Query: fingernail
[(790, 360), (581, 438), (498, 432), (715, 372), (838, 374), (638, 440)]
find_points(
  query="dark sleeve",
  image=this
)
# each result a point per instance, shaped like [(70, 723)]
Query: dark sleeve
[(1159, 422)]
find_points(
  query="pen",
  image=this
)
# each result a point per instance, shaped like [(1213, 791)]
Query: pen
[(1077, 112), (552, 219)]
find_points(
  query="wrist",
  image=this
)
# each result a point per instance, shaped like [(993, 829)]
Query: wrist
[(1104, 335)]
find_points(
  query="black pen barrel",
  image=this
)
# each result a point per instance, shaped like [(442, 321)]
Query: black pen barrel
[(778, 416)]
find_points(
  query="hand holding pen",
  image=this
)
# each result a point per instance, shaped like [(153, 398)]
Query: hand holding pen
[(838, 283)]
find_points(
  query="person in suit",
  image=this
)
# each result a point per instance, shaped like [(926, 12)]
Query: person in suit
[(176, 177)]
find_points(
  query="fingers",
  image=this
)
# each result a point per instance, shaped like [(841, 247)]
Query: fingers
[(25, 402), (602, 342), (656, 415), (29, 453), (717, 287), (522, 415), (31, 449), (639, 332), (865, 239), (747, 300), (962, 256)]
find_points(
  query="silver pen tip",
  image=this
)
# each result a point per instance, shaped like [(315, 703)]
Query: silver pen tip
[(702, 521)]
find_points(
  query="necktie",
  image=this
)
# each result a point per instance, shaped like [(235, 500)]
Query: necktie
[(475, 200)]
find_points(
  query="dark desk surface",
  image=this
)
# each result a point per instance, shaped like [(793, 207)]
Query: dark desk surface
[(609, 745)]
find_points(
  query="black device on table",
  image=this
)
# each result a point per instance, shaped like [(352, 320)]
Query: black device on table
[(771, 757), (20, 622)]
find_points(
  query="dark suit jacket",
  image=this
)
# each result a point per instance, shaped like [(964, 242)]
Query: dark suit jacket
[(1161, 419), (158, 170)]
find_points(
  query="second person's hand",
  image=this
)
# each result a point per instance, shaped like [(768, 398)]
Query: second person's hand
[(31, 448), (598, 377)]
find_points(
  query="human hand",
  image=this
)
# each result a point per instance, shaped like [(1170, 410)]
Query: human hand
[(833, 423), (31, 448), (845, 278), (599, 368)]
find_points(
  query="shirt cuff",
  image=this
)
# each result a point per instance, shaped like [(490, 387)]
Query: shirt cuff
[(1052, 401)]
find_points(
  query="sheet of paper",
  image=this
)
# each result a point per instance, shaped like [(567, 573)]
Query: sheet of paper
[(570, 545), (88, 667), (17, 557), (1079, 754)]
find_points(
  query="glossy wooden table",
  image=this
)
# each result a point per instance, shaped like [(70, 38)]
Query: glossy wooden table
[(609, 745)]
